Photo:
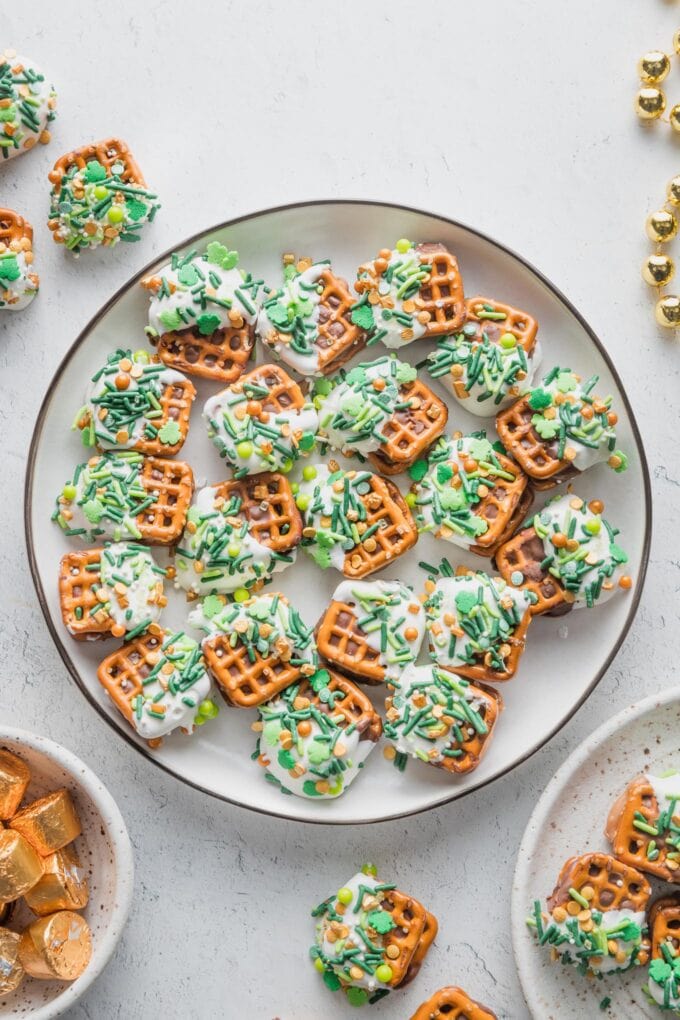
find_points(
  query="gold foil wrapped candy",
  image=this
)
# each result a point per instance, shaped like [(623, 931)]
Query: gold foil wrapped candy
[(11, 969), (63, 885), (58, 946), (48, 823), (14, 778), (20, 866)]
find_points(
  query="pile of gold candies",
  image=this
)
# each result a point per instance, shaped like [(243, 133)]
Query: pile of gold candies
[(38, 862)]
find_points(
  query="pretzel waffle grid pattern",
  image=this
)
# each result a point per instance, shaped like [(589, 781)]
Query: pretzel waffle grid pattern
[(354, 706), (616, 885), (335, 304), (522, 325), (519, 436), (122, 673), (243, 683), (442, 297), (516, 555), (344, 644), (13, 227), (630, 844), (163, 522), (77, 587), (107, 153), (396, 532), (221, 357), (405, 442), (274, 490)]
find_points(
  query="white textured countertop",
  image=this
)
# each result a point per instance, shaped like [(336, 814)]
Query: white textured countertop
[(513, 117)]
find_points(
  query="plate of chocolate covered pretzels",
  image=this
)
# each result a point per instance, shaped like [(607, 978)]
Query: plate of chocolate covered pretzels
[(314, 504), (602, 929)]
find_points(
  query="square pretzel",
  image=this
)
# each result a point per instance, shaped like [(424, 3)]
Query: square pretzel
[(452, 1003), (412, 430), (633, 814)]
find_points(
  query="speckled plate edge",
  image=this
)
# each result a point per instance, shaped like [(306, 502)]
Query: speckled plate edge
[(114, 822), (553, 791), (225, 225)]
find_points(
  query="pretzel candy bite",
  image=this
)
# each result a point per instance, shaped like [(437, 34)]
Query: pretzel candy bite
[(354, 521), (306, 322), (561, 428), (663, 975), (159, 683), (126, 497), (63, 885), (202, 312), (493, 358), (135, 403), (115, 590), (643, 826), (477, 626), (595, 918), (316, 735), (452, 1003), (372, 630), (57, 947), (48, 823), (441, 719), (254, 647), (27, 105), (15, 776), (566, 556), (469, 494), (238, 535), (412, 292), (261, 423), (98, 197), (20, 865), (19, 283), (370, 938), (11, 969), (381, 411)]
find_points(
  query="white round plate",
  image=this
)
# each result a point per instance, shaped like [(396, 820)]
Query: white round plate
[(569, 819), (105, 854), (217, 758)]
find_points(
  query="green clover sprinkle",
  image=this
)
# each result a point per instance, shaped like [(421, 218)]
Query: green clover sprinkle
[(381, 921), (93, 510), (539, 398), (321, 557), (405, 373), (356, 996), (212, 604), (465, 602), (271, 731), (278, 316), (617, 553), (452, 499), (187, 275), (309, 788), (220, 256), (94, 171), (207, 323), (319, 680), (330, 978), (9, 268), (362, 316), (136, 209), (286, 760), (547, 428), (318, 752), (481, 449), (170, 433), (418, 470), (444, 473), (171, 319), (307, 441), (660, 971), (566, 381)]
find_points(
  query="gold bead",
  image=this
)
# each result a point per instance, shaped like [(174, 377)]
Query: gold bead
[(674, 117), (676, 41), (653, 67), (668, 311), (650, 103), (661, 226), (673, 191), (658, 270)]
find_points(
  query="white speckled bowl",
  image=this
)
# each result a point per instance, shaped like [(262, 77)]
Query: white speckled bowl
[(569, 819), (105, 854)]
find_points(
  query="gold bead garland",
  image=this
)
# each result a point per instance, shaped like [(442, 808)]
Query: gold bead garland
[(661, 226)]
